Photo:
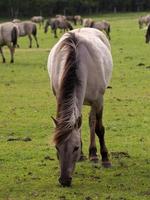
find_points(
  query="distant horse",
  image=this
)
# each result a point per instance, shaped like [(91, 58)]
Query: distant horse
[(39, 20), (16, 20), (78, 19), (147, 36), (144, 20), (28, 28), (87, 22), (102, 26), (71, 19), (8, 37), (56, 23), (80, 67)]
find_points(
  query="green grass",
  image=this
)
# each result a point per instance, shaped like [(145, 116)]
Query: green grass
[(26, 106)]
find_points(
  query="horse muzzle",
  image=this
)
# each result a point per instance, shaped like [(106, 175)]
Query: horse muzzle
[(65, 182)]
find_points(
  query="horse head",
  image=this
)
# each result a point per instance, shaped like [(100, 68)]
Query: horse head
[(68, 151)]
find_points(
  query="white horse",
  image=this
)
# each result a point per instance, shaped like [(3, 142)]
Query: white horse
[(80, 68), (8, 37)]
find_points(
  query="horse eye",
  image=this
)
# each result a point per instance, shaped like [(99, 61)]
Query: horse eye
[(76, 148)]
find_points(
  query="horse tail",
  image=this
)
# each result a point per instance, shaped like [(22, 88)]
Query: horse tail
[(34, 31), (14, 36)]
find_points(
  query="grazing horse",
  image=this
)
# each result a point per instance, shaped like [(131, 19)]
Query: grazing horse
[(147, 36), (39, 20), (78, 19), (28, 28), (102, 26), (80, 67), (56, 23), (16, 20), (143, 20), (87, 22), (8, 37), (71, 19)]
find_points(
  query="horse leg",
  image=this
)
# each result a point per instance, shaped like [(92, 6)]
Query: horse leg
[(55, 33), (92, 148), (36, 41), (1, 51), (100, 131), (12, 50), (30, 39), (82, 157)]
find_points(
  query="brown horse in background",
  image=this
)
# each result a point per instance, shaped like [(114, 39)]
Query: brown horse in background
[(56, 23), (28, 28)]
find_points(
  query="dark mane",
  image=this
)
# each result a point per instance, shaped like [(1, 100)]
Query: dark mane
[(69, 82)]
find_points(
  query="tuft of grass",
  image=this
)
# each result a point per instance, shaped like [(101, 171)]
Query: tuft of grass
[(29, 169)]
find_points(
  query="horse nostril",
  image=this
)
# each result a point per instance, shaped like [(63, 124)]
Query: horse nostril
[(65, 182)]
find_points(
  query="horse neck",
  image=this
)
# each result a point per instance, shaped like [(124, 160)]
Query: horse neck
[(68, 110)]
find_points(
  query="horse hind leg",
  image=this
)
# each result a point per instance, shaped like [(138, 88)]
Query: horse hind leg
[(92, 148), (30, 40), (12, 51), (1, 51), (36, 40), (100, 131)]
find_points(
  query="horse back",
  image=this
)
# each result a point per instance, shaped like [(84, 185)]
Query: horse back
[(94, 62)]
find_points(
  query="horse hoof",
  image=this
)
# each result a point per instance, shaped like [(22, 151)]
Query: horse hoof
[(94, 159), (82, 158), (106, 164)]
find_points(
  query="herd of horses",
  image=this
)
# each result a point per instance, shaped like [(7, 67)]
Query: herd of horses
[(10, 31), (80, 67)]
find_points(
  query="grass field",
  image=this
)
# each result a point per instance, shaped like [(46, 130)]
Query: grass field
[(28, 164)]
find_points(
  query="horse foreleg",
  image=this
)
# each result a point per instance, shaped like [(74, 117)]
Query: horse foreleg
[(1, 51), (92, 148), (30, 39), (100, 131), (82, 157)]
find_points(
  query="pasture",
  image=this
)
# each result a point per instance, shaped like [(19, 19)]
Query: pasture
[(28, 165)]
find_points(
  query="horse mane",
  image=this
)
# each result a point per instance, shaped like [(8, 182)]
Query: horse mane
[(69, 81)]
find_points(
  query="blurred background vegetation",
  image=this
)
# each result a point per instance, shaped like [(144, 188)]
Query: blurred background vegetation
[(28, 8)]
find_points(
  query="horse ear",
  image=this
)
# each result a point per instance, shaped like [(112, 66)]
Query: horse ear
[(55, 121)]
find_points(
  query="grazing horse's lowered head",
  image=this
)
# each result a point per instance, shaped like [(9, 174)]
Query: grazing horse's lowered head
[(68, 145), (79, 66)]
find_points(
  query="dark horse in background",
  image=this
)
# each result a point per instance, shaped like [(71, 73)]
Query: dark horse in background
[(80, 67), (56, 23)]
